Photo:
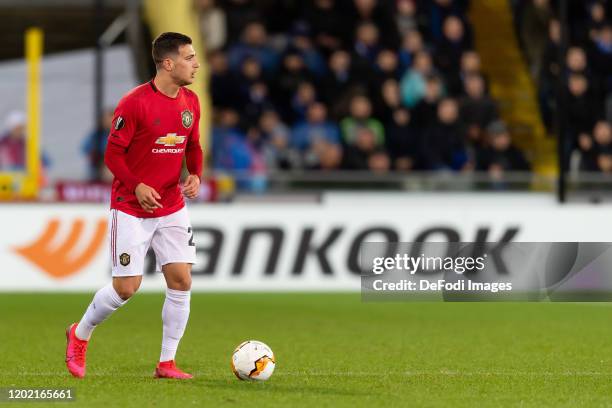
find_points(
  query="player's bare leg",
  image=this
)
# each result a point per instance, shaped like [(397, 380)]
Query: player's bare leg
[(105, 302), (175, 314)]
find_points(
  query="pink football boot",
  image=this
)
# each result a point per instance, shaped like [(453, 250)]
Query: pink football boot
[(76, 350), (168, 369)]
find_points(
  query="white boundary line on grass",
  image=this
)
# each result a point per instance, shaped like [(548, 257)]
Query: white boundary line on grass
[(448, 373)]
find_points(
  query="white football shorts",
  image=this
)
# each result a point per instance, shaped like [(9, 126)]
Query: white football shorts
[(130, 237)]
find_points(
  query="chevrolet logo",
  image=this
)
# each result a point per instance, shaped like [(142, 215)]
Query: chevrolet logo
[(171, 139)]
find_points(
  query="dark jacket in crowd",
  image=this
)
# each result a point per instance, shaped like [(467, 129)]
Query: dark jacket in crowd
[(511, 159)]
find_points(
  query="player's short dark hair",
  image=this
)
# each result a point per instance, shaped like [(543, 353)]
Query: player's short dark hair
[(166, 44)]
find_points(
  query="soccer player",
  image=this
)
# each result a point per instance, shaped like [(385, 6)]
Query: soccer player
[(154, 126)]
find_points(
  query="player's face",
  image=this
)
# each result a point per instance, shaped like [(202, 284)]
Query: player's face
[(185, 65)]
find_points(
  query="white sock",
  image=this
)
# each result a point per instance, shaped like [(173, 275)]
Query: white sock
[(175, 314), (104, 303)]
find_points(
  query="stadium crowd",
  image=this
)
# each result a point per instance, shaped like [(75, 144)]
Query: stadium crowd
[(381, 86), (586, 79), (350, 84)]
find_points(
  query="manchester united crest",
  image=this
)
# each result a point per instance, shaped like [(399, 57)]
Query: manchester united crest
[(187, 118), (124, 259)]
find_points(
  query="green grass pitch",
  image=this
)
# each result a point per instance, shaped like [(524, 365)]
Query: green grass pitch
[(332, 350)]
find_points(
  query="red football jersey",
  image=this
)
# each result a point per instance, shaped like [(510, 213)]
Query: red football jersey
[(155, 130)]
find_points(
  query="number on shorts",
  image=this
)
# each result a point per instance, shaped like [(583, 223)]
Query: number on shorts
[(190, 231)]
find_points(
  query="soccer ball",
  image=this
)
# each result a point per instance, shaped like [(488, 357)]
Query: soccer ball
[(253, 360)]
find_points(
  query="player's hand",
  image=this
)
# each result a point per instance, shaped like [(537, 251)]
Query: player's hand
[(147, 197), (191, 188)]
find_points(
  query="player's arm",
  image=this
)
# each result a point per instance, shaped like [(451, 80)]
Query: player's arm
[(119, 139), (194, 159)]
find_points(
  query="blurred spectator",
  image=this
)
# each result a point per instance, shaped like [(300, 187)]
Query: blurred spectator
[(238, 152), (597, 18), (255, 141), (226, 134), (602, 57), (500, 156), (379, 162), (384, 88), (13, 142), (277, 152), (254, 44), (534, 31), (412, 43), (403, 141), (361, 117), (239, 13), (327, 24), (380, 13), (602, 133), (304, 96), (550, 60), (451, 46), (602, 61), (271, 124), (223, 85), (340, 77), (387, 100), (426, 112), (292, 73), (406, 16), (550, 73), (477, 108), (386, 66), (413, 81), (13, 147), (439, 10), (258, 101), (576, 61), (444, 142), (470, 63), (303, 45), (585, 149), (365, 153), (212, 24), (582, 108), (315, 127), (596, 152), (250, 73), (94, 146), (365, 49), (323, 156)]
